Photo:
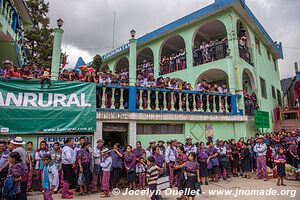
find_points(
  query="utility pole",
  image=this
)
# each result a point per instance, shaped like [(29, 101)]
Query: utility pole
[(114, 24)]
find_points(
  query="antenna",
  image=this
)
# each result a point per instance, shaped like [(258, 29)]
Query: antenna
[(113, 45)]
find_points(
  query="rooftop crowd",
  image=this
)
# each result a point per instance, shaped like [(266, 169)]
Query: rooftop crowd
[(66, 167)]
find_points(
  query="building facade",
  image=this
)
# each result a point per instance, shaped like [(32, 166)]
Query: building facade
[(14, 20), (254, 69)]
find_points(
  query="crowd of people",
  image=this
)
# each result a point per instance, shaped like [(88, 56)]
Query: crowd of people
[(90, 170), (211, 51), (250, 103), (173, 62), (145, 68), (243, 49)]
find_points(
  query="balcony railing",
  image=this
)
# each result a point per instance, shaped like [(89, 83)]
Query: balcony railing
[(139, 99)]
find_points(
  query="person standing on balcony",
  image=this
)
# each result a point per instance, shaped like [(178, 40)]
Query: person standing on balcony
[(261, 149), (170, 158), (182, 56)]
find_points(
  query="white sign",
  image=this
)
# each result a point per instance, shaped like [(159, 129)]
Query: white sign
[(4, 130), (115, 51), (61, 139)]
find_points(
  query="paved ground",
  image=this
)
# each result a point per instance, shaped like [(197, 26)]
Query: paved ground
[(234, 185)]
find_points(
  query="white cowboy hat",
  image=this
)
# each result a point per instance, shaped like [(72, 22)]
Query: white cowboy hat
[(17, 141)]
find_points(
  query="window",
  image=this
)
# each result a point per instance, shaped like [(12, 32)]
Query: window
[(279, 98), (269, 56), (273, 92), (257, 45), (160, 129), (263, 87), (275, 64)]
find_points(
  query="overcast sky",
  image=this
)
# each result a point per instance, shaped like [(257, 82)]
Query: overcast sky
[(88, 24)]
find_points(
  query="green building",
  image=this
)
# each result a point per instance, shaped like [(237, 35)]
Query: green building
[(14, 20), (224, 20)]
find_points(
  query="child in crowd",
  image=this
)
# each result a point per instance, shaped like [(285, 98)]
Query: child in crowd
[(140, 172), (31, 164), (152, 176), (50, 177), (280, 162), (39, 154), (192, 175)]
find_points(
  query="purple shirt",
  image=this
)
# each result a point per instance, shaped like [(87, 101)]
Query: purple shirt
[(212, 151), (84, 155), (279, 157), (139, 152), (293, 148), (129, 160), (159, 160), (191, 167), (117, 160), (202, 154)]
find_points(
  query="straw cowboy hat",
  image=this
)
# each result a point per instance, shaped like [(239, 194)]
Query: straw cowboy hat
[(17, 141)]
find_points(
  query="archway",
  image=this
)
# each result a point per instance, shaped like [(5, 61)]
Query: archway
[(213, 76), (210, 42), (249, 87), (145, 62), (173, 55), (121, 65), (243, 41), (248, 81)]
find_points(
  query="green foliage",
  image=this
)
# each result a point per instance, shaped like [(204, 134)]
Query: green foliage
[(97, 62), (39, 40)]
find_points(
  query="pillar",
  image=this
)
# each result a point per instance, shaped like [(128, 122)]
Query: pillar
[(132, 75), (156, 61), (132, 133), (56, 53), (98, 133)]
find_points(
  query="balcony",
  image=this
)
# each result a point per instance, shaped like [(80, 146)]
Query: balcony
[(113, 98), (8, 20)]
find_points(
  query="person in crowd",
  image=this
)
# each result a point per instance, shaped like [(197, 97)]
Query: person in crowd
[(139, 151), (162, 148), (31, 164), (55, 154), (189, 146), (181, 159), (202, 156), (17, 170), (235, 158), (223, 159), (246, 160), (280, 161), (149, 151), (152, 176), (140, 172), (261, 149), (213, 161), (117, 164), (84, 160), (293, 150), (129, 163), (270, 155), (170, 158), (39, 154), (97, 155), (4, 155), (159, 158), (50, 177), (192, 175), (106, 164), (68, 164)]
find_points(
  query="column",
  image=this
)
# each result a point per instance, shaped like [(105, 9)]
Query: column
[(132, 133), (56, 53), (98, 133), (132, 74)]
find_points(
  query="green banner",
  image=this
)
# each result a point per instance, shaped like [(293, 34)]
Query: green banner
[(63, 107), (261, 119)]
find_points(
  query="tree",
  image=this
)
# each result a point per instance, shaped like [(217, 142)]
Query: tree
[(97, 62), (39, 40)]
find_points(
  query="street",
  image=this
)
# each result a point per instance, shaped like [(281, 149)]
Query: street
[(235, 184)]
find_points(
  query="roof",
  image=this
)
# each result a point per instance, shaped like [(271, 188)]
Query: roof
[(23, 10), (285, 85), (212, 8)]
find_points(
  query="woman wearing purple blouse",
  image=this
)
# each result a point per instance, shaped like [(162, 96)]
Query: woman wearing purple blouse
[(213, 161), (202, 156), (139, 151), (129, 163), (117, 164)]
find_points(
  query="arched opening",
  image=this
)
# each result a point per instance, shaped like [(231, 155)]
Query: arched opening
[(210, 43), (249, 88), (243, 41), (122, 65), (104, 68), (145, 62), (172, 55), (212, 77)]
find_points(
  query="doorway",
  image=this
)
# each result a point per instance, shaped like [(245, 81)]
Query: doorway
[(115, 133)]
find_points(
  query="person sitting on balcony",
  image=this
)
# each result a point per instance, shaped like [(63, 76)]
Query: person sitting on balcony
[(64, 76), (26, 73), (11, 73)]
